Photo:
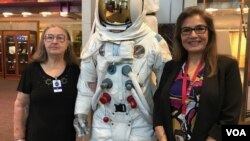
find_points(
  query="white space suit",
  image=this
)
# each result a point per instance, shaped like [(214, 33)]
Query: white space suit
[(152, 7), (115, 78)]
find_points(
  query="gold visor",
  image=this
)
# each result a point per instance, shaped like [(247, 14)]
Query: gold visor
[(114, 12)]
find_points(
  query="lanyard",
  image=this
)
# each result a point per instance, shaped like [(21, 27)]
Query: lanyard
[(184, 92)]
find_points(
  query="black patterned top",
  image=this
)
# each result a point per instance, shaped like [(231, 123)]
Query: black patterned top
[(51, 113)]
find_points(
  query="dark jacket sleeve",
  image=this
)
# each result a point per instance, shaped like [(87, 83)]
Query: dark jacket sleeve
[(157, 111), (162, 111), (157, 120), (231, 99)]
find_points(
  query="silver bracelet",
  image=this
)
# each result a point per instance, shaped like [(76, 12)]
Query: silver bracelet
[(20, 139)]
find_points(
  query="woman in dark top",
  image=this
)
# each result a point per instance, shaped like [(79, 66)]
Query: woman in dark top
[(199, 90), (44, 107)]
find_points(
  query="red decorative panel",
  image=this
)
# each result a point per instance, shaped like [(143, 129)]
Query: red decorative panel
[(11, 1)]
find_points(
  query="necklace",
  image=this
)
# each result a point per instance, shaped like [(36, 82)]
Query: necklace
[(185, 93)]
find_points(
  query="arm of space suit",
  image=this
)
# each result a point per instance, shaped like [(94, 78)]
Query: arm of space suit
[(162, 55), (86, 88), (151, 5)]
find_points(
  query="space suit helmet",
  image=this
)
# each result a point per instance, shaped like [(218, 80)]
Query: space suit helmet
[(119, 14)]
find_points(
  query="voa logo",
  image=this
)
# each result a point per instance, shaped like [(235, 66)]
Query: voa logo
[(236, 132)]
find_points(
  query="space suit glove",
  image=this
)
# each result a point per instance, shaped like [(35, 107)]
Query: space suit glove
[(81, 125)]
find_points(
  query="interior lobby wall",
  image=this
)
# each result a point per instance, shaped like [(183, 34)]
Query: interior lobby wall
[(33, 26)]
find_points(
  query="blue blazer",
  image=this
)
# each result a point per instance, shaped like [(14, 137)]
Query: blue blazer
[(220, 100)]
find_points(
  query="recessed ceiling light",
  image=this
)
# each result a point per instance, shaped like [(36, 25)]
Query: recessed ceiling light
[(7, 14), (45, 14), (211, 9), (245, 10), (26, 14), (64, 14)]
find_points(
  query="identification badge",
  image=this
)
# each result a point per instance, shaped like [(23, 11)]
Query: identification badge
[(180, 135), (57, 86)]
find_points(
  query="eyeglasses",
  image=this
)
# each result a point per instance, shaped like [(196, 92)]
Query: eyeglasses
[(51, 37), (199, 29)]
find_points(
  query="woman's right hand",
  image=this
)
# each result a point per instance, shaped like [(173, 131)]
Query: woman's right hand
[(160, 133), (20, 140)]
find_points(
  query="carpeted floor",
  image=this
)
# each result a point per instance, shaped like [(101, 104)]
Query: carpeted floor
[(7, 98)]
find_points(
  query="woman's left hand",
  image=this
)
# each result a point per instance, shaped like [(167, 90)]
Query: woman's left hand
[(209, 138)]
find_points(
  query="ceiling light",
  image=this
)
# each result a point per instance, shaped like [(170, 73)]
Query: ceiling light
[(64, 14), (211, 9), (45, 14), (7, 14), (245, 10), (26, 14)]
